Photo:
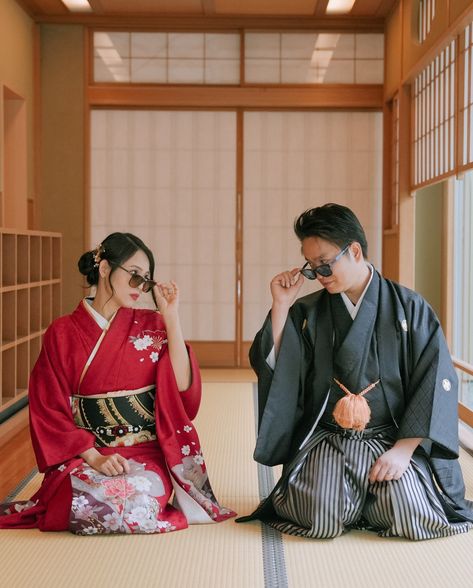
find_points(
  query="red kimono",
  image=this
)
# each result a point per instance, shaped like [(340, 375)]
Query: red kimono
[(113, 389)]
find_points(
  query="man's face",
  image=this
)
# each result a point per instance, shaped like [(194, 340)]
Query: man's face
[(318, 251)]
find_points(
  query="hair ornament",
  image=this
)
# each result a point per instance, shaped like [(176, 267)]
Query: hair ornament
[(97, 252)]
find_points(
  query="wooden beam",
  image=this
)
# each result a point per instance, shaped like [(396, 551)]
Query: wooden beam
[(326, 96), (372, 7), (34, 221), (208, 7), (26, 6), (465, 414), (385, 7), (406, 202), (214, 353), (245, 349), (321, 8), (88, 73), (239, 239), (41, 8), (463, 365), (388, 168), (96, 6), (210, 22)]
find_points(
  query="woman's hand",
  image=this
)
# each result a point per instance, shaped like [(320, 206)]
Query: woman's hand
[(167, 298), (110, 465), (392, 464), (285, 287)]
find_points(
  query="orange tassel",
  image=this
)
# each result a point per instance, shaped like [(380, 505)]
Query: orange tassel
[(352, 411)]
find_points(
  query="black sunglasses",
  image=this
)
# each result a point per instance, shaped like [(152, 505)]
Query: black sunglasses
[(324, 269), (136, 280)]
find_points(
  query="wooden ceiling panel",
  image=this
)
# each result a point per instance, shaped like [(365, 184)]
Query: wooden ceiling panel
[(244, 9), (321, 7), (43, 6), (372, 7), (191, 7), (266, 7)]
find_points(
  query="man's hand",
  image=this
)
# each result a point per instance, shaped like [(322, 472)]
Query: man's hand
[(392, 464), (285, 287)]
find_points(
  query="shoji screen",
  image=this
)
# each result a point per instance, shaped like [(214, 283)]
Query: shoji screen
[(463, 271), (170, 177), (433, 103), (462, 283), (294, 161)]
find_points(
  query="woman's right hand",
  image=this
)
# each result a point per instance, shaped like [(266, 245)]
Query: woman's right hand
[(110, 465), (285, 287)]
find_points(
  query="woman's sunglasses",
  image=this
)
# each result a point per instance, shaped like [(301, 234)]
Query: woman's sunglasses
[(136, 280), (324, 270)]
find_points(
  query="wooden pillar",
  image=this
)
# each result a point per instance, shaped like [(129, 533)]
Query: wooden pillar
[(406, 274)]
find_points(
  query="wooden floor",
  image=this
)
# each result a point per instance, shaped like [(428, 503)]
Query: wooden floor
[(17, 457), (16, 461)]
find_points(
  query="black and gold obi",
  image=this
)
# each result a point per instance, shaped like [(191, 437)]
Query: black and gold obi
[(122, 418)]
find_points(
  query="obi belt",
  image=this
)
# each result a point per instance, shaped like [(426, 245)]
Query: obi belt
[(122, 418)]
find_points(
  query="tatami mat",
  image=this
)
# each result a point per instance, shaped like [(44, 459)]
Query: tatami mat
[(226, 554), (364, 560), (220, 555)]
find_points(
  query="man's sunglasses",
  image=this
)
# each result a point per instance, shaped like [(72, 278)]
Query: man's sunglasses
[(136, 280), (324, 270)]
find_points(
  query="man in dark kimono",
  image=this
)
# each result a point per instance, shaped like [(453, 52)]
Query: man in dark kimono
[(357, 397)]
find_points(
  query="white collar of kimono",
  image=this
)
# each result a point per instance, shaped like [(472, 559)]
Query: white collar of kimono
[(102, 322), (354, 308)]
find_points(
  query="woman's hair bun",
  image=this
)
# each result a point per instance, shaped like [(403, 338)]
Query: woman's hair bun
[(88, 267)]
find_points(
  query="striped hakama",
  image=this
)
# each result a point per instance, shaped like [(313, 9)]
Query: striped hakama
[(325, 491)]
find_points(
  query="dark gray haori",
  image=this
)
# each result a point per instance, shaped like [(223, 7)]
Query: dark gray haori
[(324, 490)]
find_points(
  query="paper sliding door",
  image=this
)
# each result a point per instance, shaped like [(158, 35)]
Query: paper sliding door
[(170, 178), (294, 161)]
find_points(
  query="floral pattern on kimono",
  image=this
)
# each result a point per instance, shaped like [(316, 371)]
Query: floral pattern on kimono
[(128, 503), (151, 342)]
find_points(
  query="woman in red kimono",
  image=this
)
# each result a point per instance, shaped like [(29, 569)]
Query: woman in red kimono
[(111, 398)]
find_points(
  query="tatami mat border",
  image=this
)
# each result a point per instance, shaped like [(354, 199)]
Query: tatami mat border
[(21, 485), (274, 564)]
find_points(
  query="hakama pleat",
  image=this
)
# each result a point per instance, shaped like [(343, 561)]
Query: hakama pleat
[(325, 492)]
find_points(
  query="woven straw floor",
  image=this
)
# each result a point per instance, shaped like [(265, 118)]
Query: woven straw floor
[(228, 555)]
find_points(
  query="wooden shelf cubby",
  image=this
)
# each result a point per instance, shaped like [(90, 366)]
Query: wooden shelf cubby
[(35, 259), (46, 264), (30, 299), (35, 309), (34, 349), (8, 259), (22, 259)]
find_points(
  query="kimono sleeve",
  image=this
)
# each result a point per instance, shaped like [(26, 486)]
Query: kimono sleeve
[(190, 397), (55, 436), (259, 351), (279, 391), (432, 396)]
